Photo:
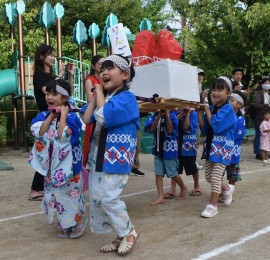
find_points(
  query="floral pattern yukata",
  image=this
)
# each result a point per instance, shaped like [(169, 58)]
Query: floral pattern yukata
[(60, 161)]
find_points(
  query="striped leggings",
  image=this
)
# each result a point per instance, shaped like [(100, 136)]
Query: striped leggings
[(213, 175)]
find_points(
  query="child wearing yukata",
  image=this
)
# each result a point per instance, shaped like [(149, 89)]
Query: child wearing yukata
[(57, 156), (218, 124), (265, 136), (237, 100), (187, 149), (164, 125), (112, 151)]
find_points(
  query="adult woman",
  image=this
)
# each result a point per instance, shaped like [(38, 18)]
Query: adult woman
[(93, 77), (89, 85), (262, 101), (43, 64)]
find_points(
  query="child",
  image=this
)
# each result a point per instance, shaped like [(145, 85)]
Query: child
[(187, 149), (57, 156), (92, 79), (43, 63), (237, 100), (265, 136), (164, 125), (112, 151), (218, 125)]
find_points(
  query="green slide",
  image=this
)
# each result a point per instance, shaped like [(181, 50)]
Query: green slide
[(8, 82)]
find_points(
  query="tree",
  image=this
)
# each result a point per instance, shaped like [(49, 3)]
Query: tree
[(223, 34), (129, 12)]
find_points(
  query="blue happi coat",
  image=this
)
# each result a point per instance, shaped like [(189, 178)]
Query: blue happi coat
[(118, 139), (190, 136), (169, 141), (240, 132), (223, 124)]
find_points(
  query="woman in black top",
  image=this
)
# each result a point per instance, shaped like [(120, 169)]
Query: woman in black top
[(43, 64)]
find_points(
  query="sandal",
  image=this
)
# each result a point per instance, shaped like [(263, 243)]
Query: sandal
[(195, 193), (74, 233), (64, 233), (108, 248), (125, 246), (169, 195)]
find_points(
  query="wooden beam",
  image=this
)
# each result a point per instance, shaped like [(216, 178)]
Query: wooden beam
[(163, 104)]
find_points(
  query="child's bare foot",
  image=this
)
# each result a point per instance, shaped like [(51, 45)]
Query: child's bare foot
[(157, 201), (182, 194)]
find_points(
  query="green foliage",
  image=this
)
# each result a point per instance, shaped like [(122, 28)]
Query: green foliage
[(222, 34), (129, 12), (6, 109), (3, 129)]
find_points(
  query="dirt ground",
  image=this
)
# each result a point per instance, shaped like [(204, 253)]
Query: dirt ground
[(173, 230)]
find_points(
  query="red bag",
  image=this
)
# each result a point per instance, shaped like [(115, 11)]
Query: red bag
[(144, 48), (167, 47)]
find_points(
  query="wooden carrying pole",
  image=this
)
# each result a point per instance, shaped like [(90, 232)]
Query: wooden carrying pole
[(164, 104)]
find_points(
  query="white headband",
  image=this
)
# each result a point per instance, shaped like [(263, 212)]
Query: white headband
[(61, 91), (238, 98), (227, 80), (121, 63)]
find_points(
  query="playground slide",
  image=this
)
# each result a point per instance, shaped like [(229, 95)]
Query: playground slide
[(8, 82)]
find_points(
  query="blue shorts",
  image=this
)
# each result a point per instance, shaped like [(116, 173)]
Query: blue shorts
[(168, 167)]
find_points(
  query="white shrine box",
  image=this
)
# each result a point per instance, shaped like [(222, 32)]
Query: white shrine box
[(168, 79)]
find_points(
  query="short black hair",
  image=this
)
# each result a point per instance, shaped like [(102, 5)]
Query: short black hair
[(109, 64), (264, 80), (51, 86), (221, 84), (266, 111), (242, 95), (235, 69)]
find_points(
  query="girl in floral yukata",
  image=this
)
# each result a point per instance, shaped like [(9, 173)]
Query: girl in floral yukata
[(57, 156), (112, 152)]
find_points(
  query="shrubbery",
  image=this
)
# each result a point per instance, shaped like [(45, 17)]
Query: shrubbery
[(6, 121)]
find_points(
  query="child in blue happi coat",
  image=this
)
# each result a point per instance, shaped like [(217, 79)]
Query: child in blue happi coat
[(218, 124), (57, 156), (187, 149), (112, 151), (237, 100), (164, 125)]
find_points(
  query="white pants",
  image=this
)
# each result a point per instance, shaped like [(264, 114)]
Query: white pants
[(107, 211)]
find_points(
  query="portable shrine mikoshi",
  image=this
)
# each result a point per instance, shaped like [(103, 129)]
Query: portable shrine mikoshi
[(171, 84)]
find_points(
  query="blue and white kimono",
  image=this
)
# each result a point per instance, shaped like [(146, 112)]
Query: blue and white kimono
[(240, 132), (110, 160), (190, 136), (164, 145), (223, 124), (60, 161)]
